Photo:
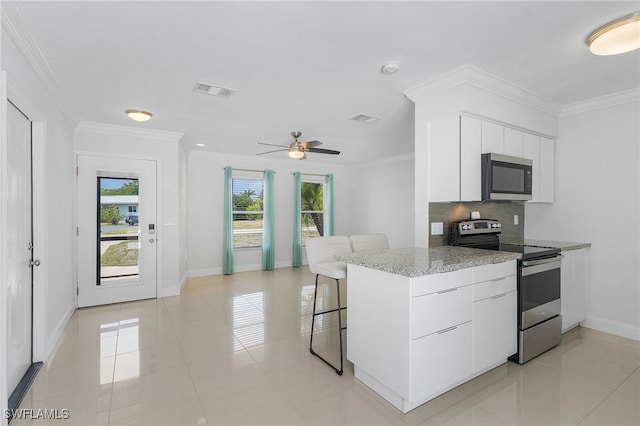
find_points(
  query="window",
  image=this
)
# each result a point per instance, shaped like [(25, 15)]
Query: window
[(312, 210), (247, 212)]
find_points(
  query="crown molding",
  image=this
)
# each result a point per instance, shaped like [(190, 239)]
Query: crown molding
[(15, 26), (113, 129), (468, 74), (606, 101)]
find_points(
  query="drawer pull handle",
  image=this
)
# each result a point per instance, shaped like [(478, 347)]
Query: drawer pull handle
[(498, 279), (499, 296), (447, 290), (446, 330)]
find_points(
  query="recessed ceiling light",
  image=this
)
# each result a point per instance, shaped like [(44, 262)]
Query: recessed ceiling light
[(365, 118), (390, 68), (200, 144), (138, 115), (619, 36)]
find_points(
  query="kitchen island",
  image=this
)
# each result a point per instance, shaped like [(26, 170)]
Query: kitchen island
[(423, 321)]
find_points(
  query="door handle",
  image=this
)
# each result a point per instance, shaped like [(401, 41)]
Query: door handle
[(35, 262), (151, 240)]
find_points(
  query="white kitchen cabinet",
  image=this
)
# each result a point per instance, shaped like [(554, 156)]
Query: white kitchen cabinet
[(495, 326), (531, 150), (440, 360), (470, 159), (514, 142), (412, 339), (573, 287), (444, 159), (546, 170), (492, 138)]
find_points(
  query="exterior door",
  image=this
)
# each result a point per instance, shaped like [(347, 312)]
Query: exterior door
[(117, 232), (20, 248)]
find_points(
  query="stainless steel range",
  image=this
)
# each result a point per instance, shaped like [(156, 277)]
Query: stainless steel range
[(539, 319)]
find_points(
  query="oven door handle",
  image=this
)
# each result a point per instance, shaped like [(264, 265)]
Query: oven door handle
[(542, 261), (540, 266)]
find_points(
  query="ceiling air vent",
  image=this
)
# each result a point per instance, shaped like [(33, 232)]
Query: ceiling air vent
[(210, 89), (364, 118)]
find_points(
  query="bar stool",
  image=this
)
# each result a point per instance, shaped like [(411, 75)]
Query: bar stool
[(320, 254)]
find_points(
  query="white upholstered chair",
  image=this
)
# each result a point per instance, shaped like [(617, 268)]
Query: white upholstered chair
[(369, 242), (320, 255)]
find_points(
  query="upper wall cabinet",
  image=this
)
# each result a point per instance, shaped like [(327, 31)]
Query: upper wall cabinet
[(455, 147)]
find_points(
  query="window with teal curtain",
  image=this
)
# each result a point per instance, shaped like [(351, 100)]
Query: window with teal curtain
[(297, 211), (328, 206), (227, 229), (268, 223)]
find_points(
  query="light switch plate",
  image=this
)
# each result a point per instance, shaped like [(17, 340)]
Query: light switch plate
[(515, 219), (436, 228)]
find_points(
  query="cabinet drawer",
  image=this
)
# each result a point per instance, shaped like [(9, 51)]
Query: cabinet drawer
[(493, 271), (438, 311), (441, 360), (438, 282), (494, 287)]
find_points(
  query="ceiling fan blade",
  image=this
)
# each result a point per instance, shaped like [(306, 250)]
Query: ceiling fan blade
[(276, 150), (270, 144), (323, 151), (310, 144)]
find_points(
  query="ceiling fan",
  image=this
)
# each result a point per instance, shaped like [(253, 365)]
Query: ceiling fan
[(297, 150)]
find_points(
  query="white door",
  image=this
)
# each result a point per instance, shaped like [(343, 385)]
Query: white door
[(19, 236), (117, 232)]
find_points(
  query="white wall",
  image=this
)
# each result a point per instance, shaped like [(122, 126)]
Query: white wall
[(130, 142), (383, 200), (54, 280), (597, 193), (205, 208)]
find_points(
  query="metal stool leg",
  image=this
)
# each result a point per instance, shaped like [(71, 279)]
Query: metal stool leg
[(340, 328)]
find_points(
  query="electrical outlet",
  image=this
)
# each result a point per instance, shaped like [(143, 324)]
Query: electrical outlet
[(437, 228), (515, 219)]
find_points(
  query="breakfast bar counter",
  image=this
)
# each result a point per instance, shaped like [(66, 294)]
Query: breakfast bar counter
[(422, 321), (415, 262)]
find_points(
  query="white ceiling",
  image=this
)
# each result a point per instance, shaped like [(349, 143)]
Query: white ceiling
[(307, 66)]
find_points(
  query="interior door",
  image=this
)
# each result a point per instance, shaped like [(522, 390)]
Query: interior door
[(19, 236), (117, 233)]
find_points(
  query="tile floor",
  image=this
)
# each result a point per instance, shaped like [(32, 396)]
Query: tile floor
[(233, 350)]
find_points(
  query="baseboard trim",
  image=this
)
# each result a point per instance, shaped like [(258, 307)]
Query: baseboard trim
[(241, 268), (57, 332), (612, 327)]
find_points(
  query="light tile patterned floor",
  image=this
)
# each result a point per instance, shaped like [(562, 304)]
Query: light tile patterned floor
[(233, 350)]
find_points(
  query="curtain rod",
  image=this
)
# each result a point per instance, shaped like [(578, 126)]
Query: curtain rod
[(248, 170), (311, 174)]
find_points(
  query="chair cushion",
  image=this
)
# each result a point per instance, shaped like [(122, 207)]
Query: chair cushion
[(336, 270)]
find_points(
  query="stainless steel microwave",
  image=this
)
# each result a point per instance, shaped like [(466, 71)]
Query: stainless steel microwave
[(506, 178)]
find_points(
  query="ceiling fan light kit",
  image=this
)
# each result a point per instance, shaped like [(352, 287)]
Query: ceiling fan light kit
[(619, 36), (297, 150)]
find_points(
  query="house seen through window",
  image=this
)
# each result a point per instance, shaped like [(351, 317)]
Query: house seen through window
[(247, 212)]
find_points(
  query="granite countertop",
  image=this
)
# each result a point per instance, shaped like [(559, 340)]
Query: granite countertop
[(417, 262), (562, 245)]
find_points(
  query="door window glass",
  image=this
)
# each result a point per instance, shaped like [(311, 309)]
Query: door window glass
[(118, 231)]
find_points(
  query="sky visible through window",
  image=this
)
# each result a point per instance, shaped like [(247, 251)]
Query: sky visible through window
[(242, 185)]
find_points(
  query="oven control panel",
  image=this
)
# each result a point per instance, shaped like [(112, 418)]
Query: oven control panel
[(479, 226)]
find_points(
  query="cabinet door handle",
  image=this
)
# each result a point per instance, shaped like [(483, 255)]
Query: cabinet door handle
[(498, 279), (499, 296), (446, 330), (449, 290)]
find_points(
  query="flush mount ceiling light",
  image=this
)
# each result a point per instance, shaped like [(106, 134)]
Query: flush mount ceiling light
[(390, 68), (365, 118), (138, 115), (619, 36), (200, 144)]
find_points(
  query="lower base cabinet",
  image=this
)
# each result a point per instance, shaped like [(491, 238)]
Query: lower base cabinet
[(495, 330), (412, 339), (441, 359)]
